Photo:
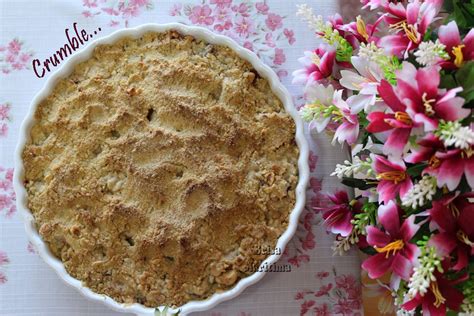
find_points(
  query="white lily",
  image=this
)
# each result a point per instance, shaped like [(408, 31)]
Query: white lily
[(317, 96), (366, 81)]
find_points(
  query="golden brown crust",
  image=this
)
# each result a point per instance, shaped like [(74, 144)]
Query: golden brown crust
[(156, 167)]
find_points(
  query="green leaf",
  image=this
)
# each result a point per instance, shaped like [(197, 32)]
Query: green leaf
[(465, 76), (448, 5), (369, 250), (462, 12), (357, 183), (448, 82), (459, 17), (416, 170), (469, 97)]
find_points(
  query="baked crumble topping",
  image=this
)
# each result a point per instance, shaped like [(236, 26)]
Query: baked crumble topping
[(156, 168)]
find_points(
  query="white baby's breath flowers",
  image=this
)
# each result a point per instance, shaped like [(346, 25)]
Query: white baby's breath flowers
[(371, 52), (454, 134), (467, 309), (314, 22), (423, 274), (343, 244), (357, 165), (404, 312), (429, 53), (420, 193)]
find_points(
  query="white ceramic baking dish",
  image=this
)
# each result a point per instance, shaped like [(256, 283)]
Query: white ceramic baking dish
[(65, 69)]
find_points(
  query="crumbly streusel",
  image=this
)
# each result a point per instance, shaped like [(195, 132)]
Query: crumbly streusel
[(157, 167)]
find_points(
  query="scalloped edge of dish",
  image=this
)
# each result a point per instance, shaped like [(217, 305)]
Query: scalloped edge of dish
[(207, 36)]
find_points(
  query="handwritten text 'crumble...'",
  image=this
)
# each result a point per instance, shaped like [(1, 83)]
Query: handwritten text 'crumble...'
[(75, 39)]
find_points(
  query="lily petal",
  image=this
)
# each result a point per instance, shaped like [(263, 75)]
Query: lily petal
[(387, 93), (409, 228), (402, 266), (444, 243), (449, 35), (396, 142), (375, 237), (450, 173), (389, 217), (377, 265)]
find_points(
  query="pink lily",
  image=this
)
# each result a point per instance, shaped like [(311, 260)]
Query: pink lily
[(428, 147), (318, 65), (459, 51), (364, 33), (449, 167), (426, 104), (399, 122), (338, 217), (374, 4), (410, 24), (395, 252), (392, 176), (441, 295), (453, 217), (348, 130), (355, 32)]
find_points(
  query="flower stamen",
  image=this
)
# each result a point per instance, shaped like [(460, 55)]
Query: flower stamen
[(428, 104), (467, 153), (391, 247), (409, 30), (395, 176), (403, 117), (434, 162), (454, 209), (316, 59), (362, 28), (439, 299), (459, 57), (463, 237)]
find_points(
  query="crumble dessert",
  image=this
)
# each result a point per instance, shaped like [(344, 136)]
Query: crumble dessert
[(157, 168)]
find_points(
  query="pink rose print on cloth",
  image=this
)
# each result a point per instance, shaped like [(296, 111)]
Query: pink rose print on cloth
[(13, 56), (3, 263), (7, 195), (298, 249), (119, 11), (343, 297), (30, 248), (238, 314), (4, 118), (251, 24)]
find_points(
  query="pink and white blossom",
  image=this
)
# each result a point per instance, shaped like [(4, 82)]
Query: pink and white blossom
[(425, 102), (274, 21), (409, 25), (365, 80), (243, 27), (201, 15), (337, 218), (348, 129), (317, 65), (460, 51), (395, 252), (393, 178), (450, 166)]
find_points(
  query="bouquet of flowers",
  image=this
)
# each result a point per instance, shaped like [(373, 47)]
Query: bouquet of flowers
[(400, 92)]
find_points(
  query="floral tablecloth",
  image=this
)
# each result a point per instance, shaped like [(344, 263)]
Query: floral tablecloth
[(319, 282)]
